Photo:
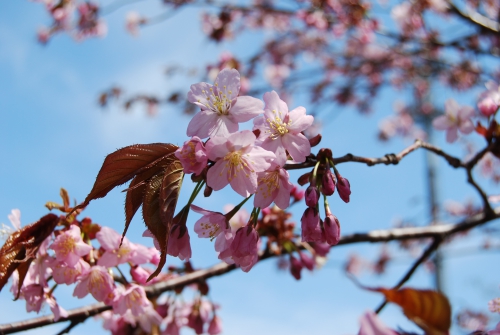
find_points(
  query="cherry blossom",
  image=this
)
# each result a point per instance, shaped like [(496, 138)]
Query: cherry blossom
[(118, 254), (331, 228), (64, 274), (133, 299), (98, 282), (69, 246), (280, 130), (456, 118), (273, 185), (237, 162), (193, 156), (343, 187), (221, 108)]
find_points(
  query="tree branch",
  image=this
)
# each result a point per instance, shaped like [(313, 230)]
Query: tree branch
[(476, 19), (389, 159), (426, 254), (396, 234)]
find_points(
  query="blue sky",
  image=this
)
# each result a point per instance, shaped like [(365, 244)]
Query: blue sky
[(54, 135)]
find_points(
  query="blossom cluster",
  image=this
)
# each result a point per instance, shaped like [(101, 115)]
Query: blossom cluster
[(87, 24), (68, 257), (252, 163)]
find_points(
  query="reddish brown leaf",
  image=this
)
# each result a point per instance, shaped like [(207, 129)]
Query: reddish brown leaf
[(170, 189), (135, 191), (152, 218), (22, 246), (430, 310), (123, 164), (158, 208)]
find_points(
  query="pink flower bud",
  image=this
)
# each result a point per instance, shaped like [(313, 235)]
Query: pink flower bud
[(344, 188), (311, 230), (244, 247), (297, 194), (215, 326), (332, 229), (487, 106), (307, 261), (295, 267), (312, 196), (322, 249), (178, 243), (328, 183)]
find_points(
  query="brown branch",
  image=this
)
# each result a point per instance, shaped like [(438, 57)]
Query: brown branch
[(396, 234), (426, 254), (476, 19), (389, 159)]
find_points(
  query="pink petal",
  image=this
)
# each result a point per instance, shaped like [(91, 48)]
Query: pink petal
[(196, 95), (246, 108), (231, 79), (442, 123), (201, 124), (466, 127), (217, 176), (451, 135), (223, 127), (217, 148), (273, 102), (298, 146), (300, 121), (244, 183), (241, 140)]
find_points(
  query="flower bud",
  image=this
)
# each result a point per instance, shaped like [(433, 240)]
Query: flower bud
[(295, 267), (487, 106), (312, 196), (331, 228), (344, 188), (328, 183), (307, 261), (311, 229)]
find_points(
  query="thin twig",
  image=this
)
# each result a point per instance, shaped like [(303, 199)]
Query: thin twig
[(475, 18), (396, 234), (425, 255)]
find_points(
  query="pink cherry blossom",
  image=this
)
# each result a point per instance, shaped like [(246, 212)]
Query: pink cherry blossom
[(280, 130), (237, 162), (456, 118), (221, 108), (98, 282), (193, 156), (494, 305), (370, 324), (273, 185), (133, 299), (244, 247), (64, 274), (178, 243), (15, 220), (211, 224), (311, 229), (115, 254), (495, 331), (69, 246), (307, 261)]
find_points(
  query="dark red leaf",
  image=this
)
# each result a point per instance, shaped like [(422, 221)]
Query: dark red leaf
[(22, 246), (135, 191), (123, 164)]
